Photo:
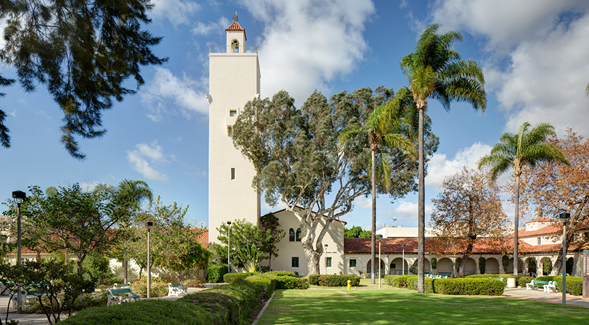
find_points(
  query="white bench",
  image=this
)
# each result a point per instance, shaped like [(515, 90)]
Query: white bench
[(551, 287), (174, 289), (116, 296)]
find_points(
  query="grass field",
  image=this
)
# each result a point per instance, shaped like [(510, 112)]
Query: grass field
[(365, 305)]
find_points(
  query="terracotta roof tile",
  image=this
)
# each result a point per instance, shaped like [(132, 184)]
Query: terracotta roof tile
[(235, 27), (541, 219), (544, 231)]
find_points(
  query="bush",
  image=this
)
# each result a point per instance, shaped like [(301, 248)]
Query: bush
[(482, 264), (216, 273), (574, 283), (280, 273), (291, 282), (466, 286), (87, 300), (338, 280), (157, 289), (313, 279), (235, 303), (194, 283), (398, 281), (230, 277), (522, 280), (269, 283)]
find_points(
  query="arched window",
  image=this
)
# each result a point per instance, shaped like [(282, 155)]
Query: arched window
[(291, 235), (299, 234)]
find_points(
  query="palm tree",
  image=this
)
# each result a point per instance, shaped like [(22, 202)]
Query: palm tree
[(134, 192), (434, 70), (391, 125), (527, 147)]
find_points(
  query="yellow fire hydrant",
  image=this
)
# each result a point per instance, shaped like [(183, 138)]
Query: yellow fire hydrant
[(349, 284)]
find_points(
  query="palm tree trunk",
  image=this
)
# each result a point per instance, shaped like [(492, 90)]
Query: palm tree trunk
[(516, 227), (373, 241), (421, 212)]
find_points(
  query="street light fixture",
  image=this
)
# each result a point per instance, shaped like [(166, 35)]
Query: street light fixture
[(403, 262), (228, 247), (19, 196), (148, 224), (564, 216)]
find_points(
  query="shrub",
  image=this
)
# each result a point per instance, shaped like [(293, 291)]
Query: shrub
[(269, 283), (414, 268), (277, 273), (428, 285), (398, 281), (434, 263), (216, 273), (482, 264), (313, 279), (468, 286), (194, 283), (574, 283), (291, 282), (522, 280), (338, 280), (532, 264), (505, 261), (230, 304), (157, 289), (230, 277)]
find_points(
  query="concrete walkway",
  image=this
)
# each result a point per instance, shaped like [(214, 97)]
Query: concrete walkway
[(41, 319), (540, 295)]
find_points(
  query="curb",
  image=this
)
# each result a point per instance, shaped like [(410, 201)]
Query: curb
[(263, 309)]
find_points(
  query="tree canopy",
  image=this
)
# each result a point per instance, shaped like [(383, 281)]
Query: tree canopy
[(298, 161), (83, 51), (357, 232)]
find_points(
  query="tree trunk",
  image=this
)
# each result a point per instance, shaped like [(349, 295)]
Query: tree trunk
[(421, 211), (372, 240), (312, 257), (464, 258), (516, 227)]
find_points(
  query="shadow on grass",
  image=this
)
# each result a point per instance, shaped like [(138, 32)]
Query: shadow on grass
[(394, 306)]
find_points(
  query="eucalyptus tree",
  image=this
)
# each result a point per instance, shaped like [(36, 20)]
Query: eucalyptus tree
[(298, 161), (83, 51), (391, 124), (528, 147), (436, 71)]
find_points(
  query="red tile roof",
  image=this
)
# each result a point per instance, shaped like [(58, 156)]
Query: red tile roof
[(541, 219), (235, 27), (552, 229)]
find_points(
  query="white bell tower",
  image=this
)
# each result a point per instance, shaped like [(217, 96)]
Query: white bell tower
[(234, 79)]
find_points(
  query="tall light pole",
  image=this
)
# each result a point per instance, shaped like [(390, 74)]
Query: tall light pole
[(228, 246), (403, 262), (148, 224), (564, 216), (19, 196)]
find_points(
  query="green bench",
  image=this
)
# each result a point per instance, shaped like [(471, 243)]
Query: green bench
[(536, 284), (27, 295), (174, 289), (117, 296)]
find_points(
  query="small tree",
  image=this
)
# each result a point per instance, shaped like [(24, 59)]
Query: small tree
[(247, 241), (269, 247), (547, 266), (434, 263), (482, 265), (532, 264), (505, 262), (413, 268)]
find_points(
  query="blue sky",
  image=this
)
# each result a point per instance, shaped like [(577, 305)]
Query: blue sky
[(533, 53)]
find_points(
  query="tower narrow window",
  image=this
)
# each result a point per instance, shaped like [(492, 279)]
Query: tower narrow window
[(295, 262), (235, 46), (298, 238), (291, 235), (232, 173), (232, 113), (328, 262)]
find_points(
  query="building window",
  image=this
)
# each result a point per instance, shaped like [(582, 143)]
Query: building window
[(539, 240), (232, 173), (328, 262), (393, 266), (352, 263), (291, 235), (229, 131), (232, 113), (298, 238), (295, 262)]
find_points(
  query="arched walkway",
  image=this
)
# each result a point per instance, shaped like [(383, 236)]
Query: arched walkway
[(492, 266), (532, 265), (520, 266), (444, 265), (545, 266), (396, 266), (369, 267), (470, 267)]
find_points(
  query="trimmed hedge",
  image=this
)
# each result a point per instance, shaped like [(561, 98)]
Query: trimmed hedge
[(216, 273), (230, 277), (291, 282), (313, 279), (454, 286), (235, 303), (574, 283), (336, 280), (268, 282), (280, 273), (520, 280)]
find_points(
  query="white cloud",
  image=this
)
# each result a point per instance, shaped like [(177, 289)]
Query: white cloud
[(144, 156), (88, 186), (408, 210), (176, 11), (439, 167), (306, 44), (363, 202), (546, 49), (165, 88), (205, 29)]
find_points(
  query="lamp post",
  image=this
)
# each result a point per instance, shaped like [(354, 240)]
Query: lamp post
[(228, 247), (19, 196), (148, 224), (564, 216), (403, 262), (326, 258)]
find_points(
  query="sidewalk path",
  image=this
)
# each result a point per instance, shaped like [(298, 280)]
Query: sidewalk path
[(540, 295)]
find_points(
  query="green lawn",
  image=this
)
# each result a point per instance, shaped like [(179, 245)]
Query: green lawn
[(365, 305)]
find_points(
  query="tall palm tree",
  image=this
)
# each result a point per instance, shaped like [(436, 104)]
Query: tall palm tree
[(434, 70), (135, 192), (391, 125), (527, 147)]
